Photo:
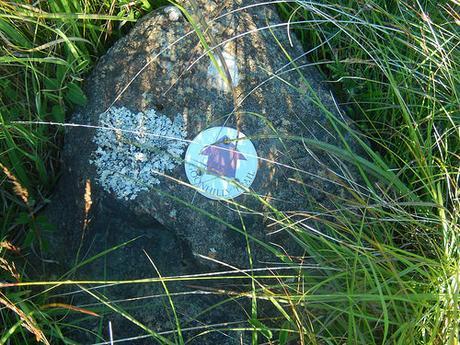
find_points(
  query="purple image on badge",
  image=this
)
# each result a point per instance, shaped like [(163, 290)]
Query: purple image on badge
[(222, 157), (221, 163)]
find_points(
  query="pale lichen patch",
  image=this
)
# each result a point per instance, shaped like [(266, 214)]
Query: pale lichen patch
[(215, 76), (174, 14), (133, 149)]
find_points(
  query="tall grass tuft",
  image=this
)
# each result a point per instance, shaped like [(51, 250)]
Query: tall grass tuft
[(384, 269), (46, 49), (397, 277)]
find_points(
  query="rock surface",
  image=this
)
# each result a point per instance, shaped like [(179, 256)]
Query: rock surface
[(161, 65)]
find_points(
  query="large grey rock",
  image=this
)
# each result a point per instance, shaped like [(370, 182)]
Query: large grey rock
[(160, 68), (134, 75)]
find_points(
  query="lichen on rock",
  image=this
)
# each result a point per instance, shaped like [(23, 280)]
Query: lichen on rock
[(214, 76), (174, 13), (133, 149)]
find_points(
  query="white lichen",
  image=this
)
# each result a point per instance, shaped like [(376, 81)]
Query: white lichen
[(173, 213), (174, 14), (216, 78), (133, 149)]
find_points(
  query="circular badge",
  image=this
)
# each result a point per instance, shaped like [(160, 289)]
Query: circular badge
[(221, 163)]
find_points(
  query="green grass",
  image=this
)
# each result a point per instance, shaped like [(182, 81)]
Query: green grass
[(388, 270)]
